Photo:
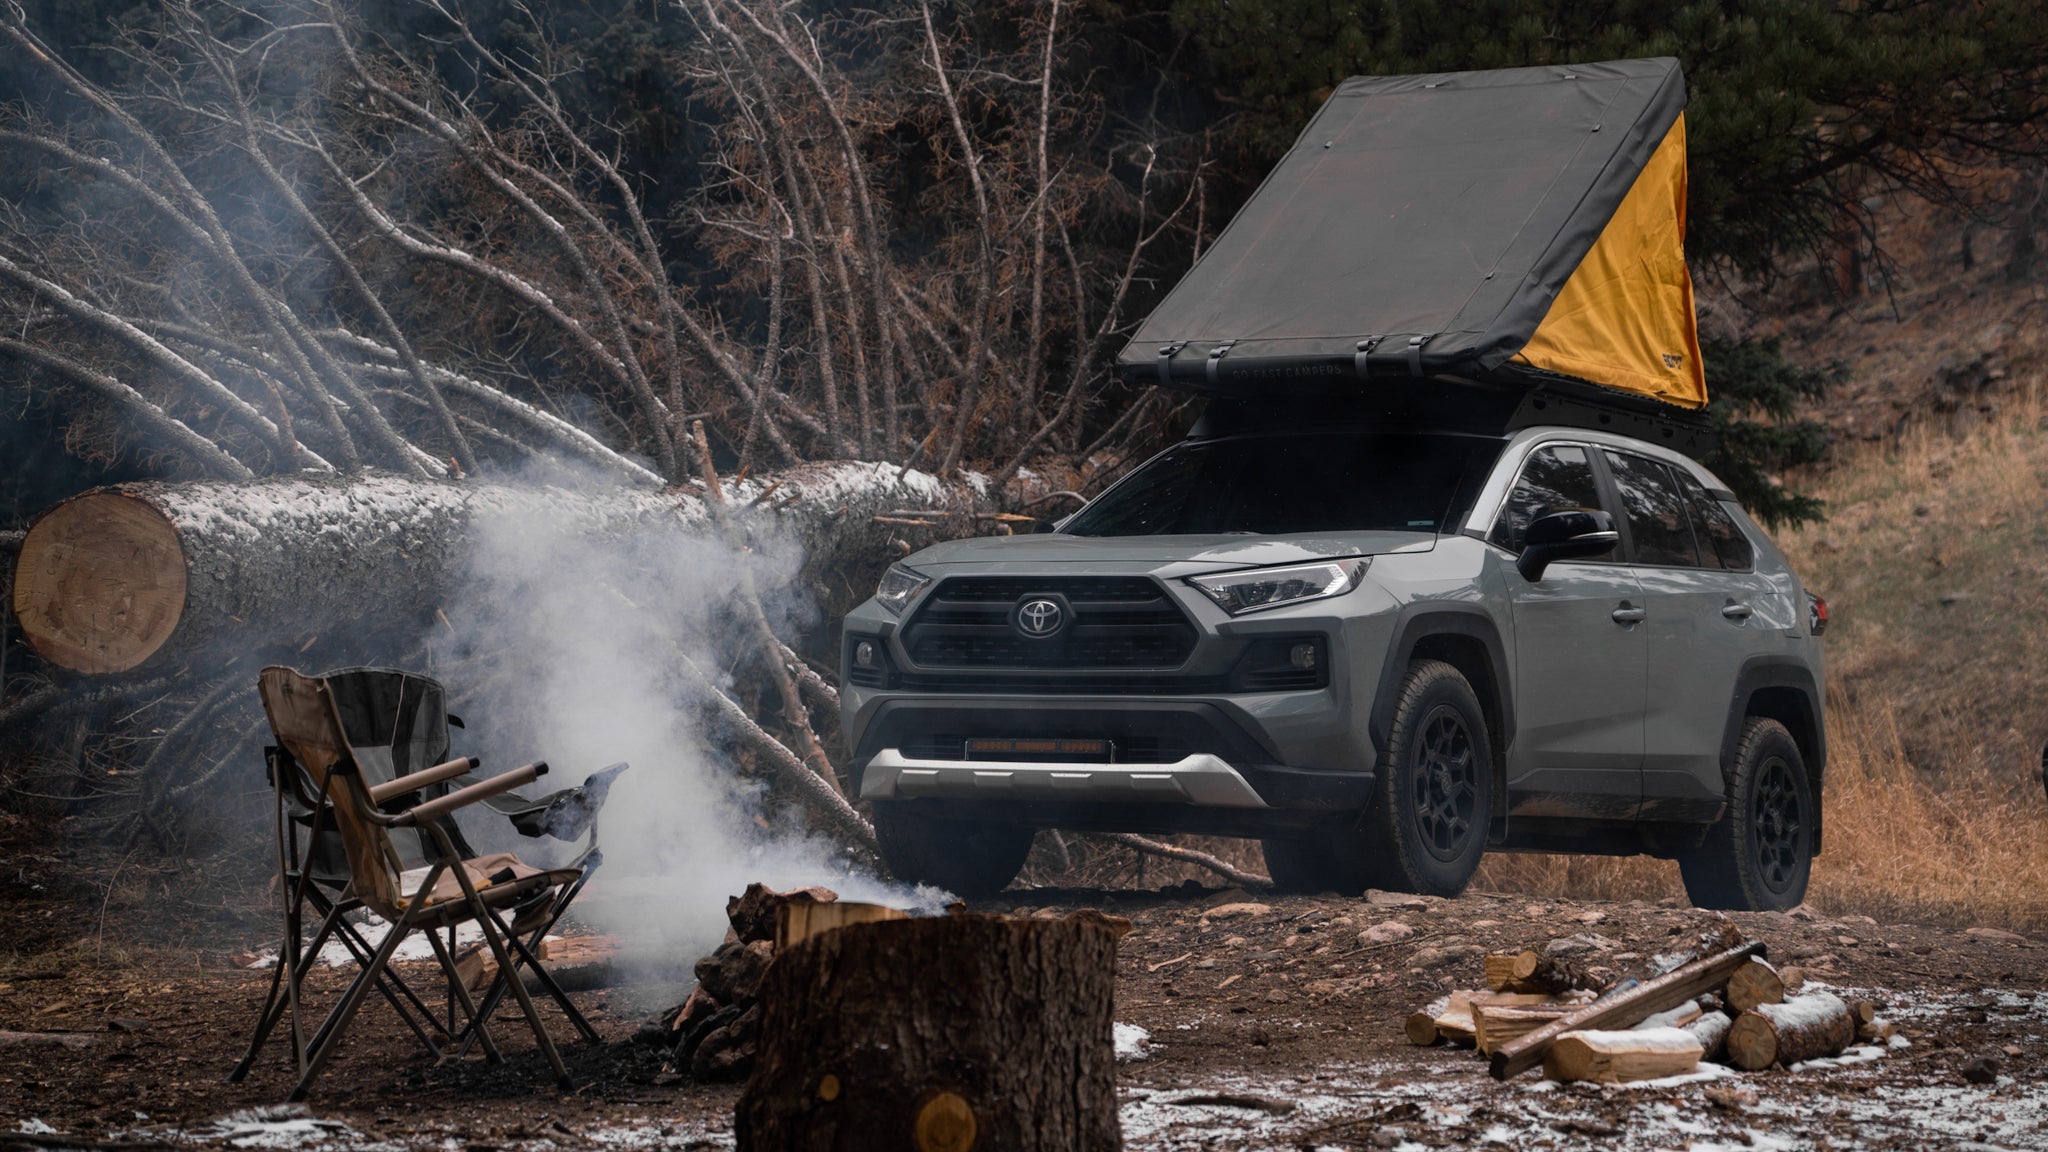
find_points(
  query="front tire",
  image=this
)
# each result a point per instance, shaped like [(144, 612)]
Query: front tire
[(1760, 856), (1425, 829), (969, 858)]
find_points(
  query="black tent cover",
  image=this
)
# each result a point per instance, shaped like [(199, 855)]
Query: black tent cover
[(1420, 227)]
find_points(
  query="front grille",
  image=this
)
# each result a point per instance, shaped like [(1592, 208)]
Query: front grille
[(1118, 623)]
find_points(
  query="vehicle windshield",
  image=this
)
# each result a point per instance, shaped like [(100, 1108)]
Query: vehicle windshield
[(1296, 482)]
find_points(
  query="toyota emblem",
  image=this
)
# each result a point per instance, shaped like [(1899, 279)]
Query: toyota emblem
[(1040, 617)]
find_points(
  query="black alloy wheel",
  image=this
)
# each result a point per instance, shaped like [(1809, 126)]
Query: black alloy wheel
[(1779, 826), (1446, 783)]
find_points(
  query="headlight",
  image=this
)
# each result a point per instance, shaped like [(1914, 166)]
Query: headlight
[(899, 584), (1241, 592)]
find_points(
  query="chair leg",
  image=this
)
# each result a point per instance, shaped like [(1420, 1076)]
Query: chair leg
[(361, 950), (491, 930), (548, 984), (293, 962), (459, 992), (336, 1025)]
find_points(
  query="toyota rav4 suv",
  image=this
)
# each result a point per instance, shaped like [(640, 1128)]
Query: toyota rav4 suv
[(1380, 650)]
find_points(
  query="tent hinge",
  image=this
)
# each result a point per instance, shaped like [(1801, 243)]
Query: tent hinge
[(1216, 356), (1358, 359), (1166, 354), (1415, 344)]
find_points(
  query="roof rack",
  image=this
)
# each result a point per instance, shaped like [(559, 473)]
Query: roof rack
[(1469, 407)]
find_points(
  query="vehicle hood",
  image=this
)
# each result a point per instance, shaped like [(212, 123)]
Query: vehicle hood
[(1166, 554)]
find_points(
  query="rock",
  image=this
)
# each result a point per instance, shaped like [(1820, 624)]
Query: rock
[(1443, 954), (1998, 934), (734, 972), (1982, 1070), (1847, 941), (1407, 900), (1384, 932), (728, 1053), (1233, 911), (1732, 1097), (753, 912), (1806, 912), (1590, 918), (1227, 896)]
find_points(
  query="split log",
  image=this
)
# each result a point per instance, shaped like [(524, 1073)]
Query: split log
[(755, 913), (861, 1047), (1752, 984), (1622, 1057), (1711, 1030), (1495, 1024), (1454, 1021), (798, 921), (1864, 1011), (1679, 1017), (1621, 1010), (1802, 1028), (155, 572), (1532, 971)]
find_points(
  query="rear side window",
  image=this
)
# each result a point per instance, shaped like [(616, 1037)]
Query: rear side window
[(1658, 521), (1722, 543), (1554, 478)]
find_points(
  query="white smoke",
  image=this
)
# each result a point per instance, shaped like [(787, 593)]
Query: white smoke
[(577, 643)]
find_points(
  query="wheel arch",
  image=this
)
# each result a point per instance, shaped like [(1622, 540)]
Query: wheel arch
[(1781, 689), (1466, 637)]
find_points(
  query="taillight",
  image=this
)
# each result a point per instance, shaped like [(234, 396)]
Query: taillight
[(1816, 615)]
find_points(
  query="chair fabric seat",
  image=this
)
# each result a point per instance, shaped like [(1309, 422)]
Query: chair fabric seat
[(524, 879)]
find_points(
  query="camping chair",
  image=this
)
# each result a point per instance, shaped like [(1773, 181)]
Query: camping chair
[(396, 723), (307, 714)]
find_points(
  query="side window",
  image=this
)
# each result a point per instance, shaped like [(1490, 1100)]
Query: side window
[(1554, 477), (1657, 519), (1721, 539)]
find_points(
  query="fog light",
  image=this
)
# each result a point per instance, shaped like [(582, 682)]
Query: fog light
[(1302, 656), (864, 654)]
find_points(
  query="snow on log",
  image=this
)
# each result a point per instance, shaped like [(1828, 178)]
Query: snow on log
[(1802, 1028), (1711, 1030), (1621, 1057), (153, 572)]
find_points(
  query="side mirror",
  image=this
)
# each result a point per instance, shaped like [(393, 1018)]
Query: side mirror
[(1566, 534)]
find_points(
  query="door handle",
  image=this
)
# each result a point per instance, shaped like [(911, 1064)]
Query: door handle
[(1628, 615), (1736, 611)]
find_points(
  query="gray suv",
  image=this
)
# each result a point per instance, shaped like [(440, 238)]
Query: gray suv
[(1379, 649)]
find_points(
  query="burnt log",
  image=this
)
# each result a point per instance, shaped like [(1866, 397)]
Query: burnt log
[(150, 574), (753, 914), (863, 1045), (733, 973)]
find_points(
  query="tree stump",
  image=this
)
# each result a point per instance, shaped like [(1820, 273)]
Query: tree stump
[(948, 1034)]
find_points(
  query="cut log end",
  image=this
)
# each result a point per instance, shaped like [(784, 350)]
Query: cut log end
[(99, 584), (1752, 984)]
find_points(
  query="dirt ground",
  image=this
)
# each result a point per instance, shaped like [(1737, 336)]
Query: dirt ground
[(1269, 1026)]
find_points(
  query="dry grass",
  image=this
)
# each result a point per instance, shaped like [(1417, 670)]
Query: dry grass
[(1934, 560)]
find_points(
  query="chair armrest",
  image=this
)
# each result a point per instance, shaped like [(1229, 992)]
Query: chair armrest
[(414, 781), (461, 798)]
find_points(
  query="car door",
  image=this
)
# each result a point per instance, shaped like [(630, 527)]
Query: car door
[(1579, 656), (1707, 608)]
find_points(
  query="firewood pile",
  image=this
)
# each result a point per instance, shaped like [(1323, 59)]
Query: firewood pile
[(715, 1034), (1722, 1002)]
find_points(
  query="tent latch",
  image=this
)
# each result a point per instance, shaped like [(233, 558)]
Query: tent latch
[(1166, 355), (1415, 344), (1358, 359), (1216, 356)]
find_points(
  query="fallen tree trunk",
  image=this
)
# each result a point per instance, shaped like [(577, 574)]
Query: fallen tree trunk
[(862, 1047), (154, 573)]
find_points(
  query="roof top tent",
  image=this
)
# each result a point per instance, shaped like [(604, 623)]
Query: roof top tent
[(1458, 246)]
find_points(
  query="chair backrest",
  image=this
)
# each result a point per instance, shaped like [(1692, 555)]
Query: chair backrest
[(307, 722)]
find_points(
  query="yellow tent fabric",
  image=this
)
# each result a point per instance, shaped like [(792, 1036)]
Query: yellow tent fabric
[(1625, 317)]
